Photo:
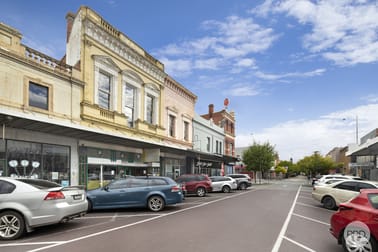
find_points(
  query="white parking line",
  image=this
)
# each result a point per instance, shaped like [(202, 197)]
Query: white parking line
[(317, 207), (136, 223), (299, 244), (310, 219), (278, 242)]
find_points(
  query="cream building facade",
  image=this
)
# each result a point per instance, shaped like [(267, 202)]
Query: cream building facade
[(103, 109), (39, 97)]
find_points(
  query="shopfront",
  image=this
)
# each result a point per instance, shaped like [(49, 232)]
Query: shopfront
[(36, 160)]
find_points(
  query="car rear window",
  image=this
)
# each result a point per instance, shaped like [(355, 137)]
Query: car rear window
[(373, 198), (39, 183), (6, 187)]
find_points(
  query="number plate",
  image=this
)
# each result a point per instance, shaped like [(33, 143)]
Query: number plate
[(77, 197)]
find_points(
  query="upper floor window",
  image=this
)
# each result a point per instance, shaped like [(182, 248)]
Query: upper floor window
[(129, 104), (150, 109), (208, 144), (186, 131), (38, 96), (104, 90), (172, 126), (105, 80)]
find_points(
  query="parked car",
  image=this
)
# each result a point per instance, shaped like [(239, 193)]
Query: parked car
[(325, 178), (199, 184), (223, 184), (333, 194), (29, 203), (363, 208), (151, 192), (243, 180)]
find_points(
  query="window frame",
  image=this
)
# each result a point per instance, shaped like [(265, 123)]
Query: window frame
[(49, 98)]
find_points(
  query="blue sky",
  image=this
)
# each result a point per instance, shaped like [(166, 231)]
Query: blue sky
[(299, 74)]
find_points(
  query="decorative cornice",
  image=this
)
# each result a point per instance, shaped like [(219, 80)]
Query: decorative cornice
[(114, 44)]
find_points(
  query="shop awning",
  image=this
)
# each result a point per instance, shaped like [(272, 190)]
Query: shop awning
[(370, 148)]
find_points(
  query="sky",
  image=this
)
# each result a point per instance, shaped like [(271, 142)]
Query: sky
[(301, 75)]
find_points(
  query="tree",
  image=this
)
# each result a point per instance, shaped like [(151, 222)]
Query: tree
[(316, 164), (292, 169), (259, 157)]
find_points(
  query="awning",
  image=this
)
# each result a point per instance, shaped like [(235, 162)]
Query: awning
[(370, 148)]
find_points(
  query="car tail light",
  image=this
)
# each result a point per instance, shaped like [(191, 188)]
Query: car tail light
[(54, 196), (175, 188)]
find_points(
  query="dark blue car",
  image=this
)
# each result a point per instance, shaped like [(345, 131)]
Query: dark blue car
[(151, 192)]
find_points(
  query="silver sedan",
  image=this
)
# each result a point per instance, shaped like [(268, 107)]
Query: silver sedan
[(29, 203)]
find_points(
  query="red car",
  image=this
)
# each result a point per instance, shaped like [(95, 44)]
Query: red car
[(355, 224), (198, 184)]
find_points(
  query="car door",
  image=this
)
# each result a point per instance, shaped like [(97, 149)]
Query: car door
[(216, 184), (345, 191), (112, 195)]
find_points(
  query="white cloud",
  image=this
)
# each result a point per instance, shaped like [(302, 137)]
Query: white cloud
[(180, 67), (300, 138), (226, 42), (372, 98), (345, 32), (267, 76), (240, 90)]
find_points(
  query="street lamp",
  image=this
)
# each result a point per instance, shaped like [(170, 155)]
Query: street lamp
[(356, 128)]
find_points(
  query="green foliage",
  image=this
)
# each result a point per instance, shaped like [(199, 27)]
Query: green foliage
[(292, 169), (280, 169), (316, 164), (259, 157)]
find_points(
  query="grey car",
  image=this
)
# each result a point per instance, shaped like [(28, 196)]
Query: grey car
[(29, 203)]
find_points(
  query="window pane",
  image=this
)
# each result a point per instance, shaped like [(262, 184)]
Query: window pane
[(150, 108), (186, 131), (172, 125), (104, 91), (56, 164), (104, 100), (130, 104), (38, 96)]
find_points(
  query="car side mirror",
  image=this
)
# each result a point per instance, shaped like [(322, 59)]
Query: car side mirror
[(106, 188)]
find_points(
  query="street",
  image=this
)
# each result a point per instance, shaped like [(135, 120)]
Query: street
[(280, 217)]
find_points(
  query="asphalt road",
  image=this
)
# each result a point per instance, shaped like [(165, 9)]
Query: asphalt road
[(278, 217)]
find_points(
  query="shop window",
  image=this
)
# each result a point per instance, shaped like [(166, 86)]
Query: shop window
[(44, 161), (38, 96)]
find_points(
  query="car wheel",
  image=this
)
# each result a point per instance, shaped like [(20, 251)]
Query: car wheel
[(242, 186), (226, 189), (329, 203), (90, 206), (155, 203), (201, 192), (12, 225), (355, 242)]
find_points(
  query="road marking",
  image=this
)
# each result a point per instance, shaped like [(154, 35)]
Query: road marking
[(305, 197), (317, 207), (278, 242), (136, 223), (299, 244), (30, 243), (311, 219)]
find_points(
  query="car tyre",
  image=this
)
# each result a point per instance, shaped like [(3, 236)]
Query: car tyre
[(351, 245), (201, 191), (329, 203), (243, 186), (156, 203), (90, 206), (12, 225), (226, 189)]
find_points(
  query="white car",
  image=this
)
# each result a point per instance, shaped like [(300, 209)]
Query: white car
[(332, 195), (334, 177), (223, 184), (28, 203)]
